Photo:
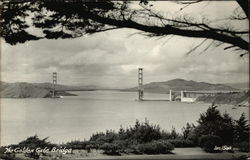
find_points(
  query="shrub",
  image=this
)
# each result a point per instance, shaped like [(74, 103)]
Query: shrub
[(181, 143), (137, 134), (89, 147), (6, 156), (244, 147), (208, 142), (193, 137), (144, 132), (76, 144), (111, 148), (155, 147), (99, 139), (209, 146), (34, 142)]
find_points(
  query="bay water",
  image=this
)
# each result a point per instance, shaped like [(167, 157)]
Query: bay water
[(78, 117)]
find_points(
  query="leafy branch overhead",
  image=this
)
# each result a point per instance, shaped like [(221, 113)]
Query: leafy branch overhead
[(72, 19)]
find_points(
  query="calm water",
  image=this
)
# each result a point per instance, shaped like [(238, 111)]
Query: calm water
[(72, 118)]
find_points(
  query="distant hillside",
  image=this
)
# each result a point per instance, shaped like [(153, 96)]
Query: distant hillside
[(244, 86), (22, 90), (34, 90), (240, 99), (181, 84)]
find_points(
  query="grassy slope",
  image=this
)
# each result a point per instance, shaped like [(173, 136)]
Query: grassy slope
[(23, 90), (226, 98), (29, 90)]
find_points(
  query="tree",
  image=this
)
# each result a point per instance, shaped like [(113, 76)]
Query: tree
[(75, 18), (213, 123), (242, 129)]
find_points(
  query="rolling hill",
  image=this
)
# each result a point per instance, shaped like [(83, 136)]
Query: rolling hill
[(181, 84), (23, 90), (35, 90)]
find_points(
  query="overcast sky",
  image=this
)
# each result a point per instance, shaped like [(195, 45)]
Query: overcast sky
[(111, 59)]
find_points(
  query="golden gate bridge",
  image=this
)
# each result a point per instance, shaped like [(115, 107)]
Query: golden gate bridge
[(182, 95)]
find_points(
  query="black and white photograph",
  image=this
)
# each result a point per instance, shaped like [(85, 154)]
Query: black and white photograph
[(129, 79)]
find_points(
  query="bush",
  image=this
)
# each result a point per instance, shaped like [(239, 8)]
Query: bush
[(208, 142), (193, 137), (34, 142), (143, 132), (76, 144), (181, 143), (209, 146), (6, 156), (137, 134), (155, 147), (244, 147), (111, 148)]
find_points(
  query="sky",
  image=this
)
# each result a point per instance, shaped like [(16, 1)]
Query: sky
[(111, 59)]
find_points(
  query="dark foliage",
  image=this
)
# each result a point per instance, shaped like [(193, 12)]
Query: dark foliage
[(241, 130), (215, 129), (9, 156), (213, 123), (98, 139), (128, 140), (34, 142), (208, 142), (111, 148), (139, 133), (181, 143), (244, 147), (155, 147), (76, 144)]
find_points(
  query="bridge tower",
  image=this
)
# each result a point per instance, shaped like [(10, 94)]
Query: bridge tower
[(140, 84), (54, 84)]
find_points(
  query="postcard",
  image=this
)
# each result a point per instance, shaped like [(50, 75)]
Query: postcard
[(108, 79)]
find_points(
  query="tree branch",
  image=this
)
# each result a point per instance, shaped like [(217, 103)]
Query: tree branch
[(168, 30)]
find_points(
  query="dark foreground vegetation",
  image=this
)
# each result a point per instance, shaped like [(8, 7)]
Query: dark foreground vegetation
[(215, 132)]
